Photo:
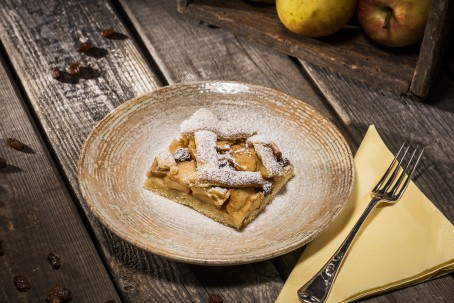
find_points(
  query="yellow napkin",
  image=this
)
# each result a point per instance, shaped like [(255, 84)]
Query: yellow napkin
[(399, 245)]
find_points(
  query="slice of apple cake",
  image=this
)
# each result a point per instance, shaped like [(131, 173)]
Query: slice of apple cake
[(222, 169)]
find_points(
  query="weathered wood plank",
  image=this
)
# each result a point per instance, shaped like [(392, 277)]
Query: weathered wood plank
[(40, 35), (436, 41), (397, 119), (38, 216), (199, 52), (408, 71), (348, 51), (68, 111)]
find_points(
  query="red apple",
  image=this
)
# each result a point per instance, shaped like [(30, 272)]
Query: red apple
[(395, 23)]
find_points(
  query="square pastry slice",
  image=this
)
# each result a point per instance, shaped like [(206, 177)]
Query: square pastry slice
[(222, 169)]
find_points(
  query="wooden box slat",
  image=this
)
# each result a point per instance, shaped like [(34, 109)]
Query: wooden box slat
[(407, 71)]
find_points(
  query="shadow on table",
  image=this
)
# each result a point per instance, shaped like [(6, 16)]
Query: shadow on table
[(137, 270), (86, 72)]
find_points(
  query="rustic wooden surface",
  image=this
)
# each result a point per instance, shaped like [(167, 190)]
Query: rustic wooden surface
[(202, 51), (160, 46), (68, 111), (433, 48), (38, 216), (348, 51)]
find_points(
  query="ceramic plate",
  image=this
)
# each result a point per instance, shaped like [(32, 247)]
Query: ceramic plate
[(120, 149)]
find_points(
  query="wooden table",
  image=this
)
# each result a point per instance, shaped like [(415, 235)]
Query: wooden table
[(41, 208)]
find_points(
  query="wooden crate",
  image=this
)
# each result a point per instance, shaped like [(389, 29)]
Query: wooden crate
[(408, 71)]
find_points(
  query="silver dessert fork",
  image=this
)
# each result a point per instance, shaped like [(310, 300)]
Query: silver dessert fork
[(319, 287)]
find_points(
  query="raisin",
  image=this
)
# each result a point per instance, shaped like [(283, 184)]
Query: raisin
[(182, 154), (223, 162), (213, 298), (59, 294), (54, 260), (16, 144), (284, 162), (267, 188), (3, 162), (64, 294), (56, 73), (84, 47), (22, 283), (107, 33), (74, 68)]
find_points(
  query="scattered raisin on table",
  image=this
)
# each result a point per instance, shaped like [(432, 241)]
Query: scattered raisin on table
[(59, 294), (213, 298), (14, 143), (54, 260), (74, 68), (107, 33), (56, 73), (3, 163), (84, 47), (22, 283)]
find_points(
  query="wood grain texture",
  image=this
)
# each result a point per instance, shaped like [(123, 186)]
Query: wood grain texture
[(37, 216), (433, 48), (38, 36), (348, 51), (398, 119), (409, 71), (69, 109), (198, 51)]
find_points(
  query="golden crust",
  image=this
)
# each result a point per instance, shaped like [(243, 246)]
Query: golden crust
[(220, 215)]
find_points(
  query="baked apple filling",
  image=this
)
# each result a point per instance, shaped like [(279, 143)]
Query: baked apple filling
[(222, 169)]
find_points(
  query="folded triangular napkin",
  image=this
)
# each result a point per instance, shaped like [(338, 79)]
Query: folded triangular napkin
[(399, 245)]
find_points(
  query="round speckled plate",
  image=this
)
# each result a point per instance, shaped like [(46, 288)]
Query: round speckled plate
[(120, 149)]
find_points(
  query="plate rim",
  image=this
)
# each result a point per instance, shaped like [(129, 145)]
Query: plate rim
[(213, 261)]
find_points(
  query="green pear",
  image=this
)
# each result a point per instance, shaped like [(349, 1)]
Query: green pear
[(315, 18)]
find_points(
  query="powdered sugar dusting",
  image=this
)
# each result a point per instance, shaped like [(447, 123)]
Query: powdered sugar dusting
[(269, 162), (165, 159), (234, 130), (229, 178), (207, 156), (203, 119), (260, 139), (208, 159)]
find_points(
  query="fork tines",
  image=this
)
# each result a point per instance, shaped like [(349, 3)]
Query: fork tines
[(399, 171)]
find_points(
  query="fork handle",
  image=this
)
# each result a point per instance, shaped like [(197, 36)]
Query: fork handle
[(317, 289)]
